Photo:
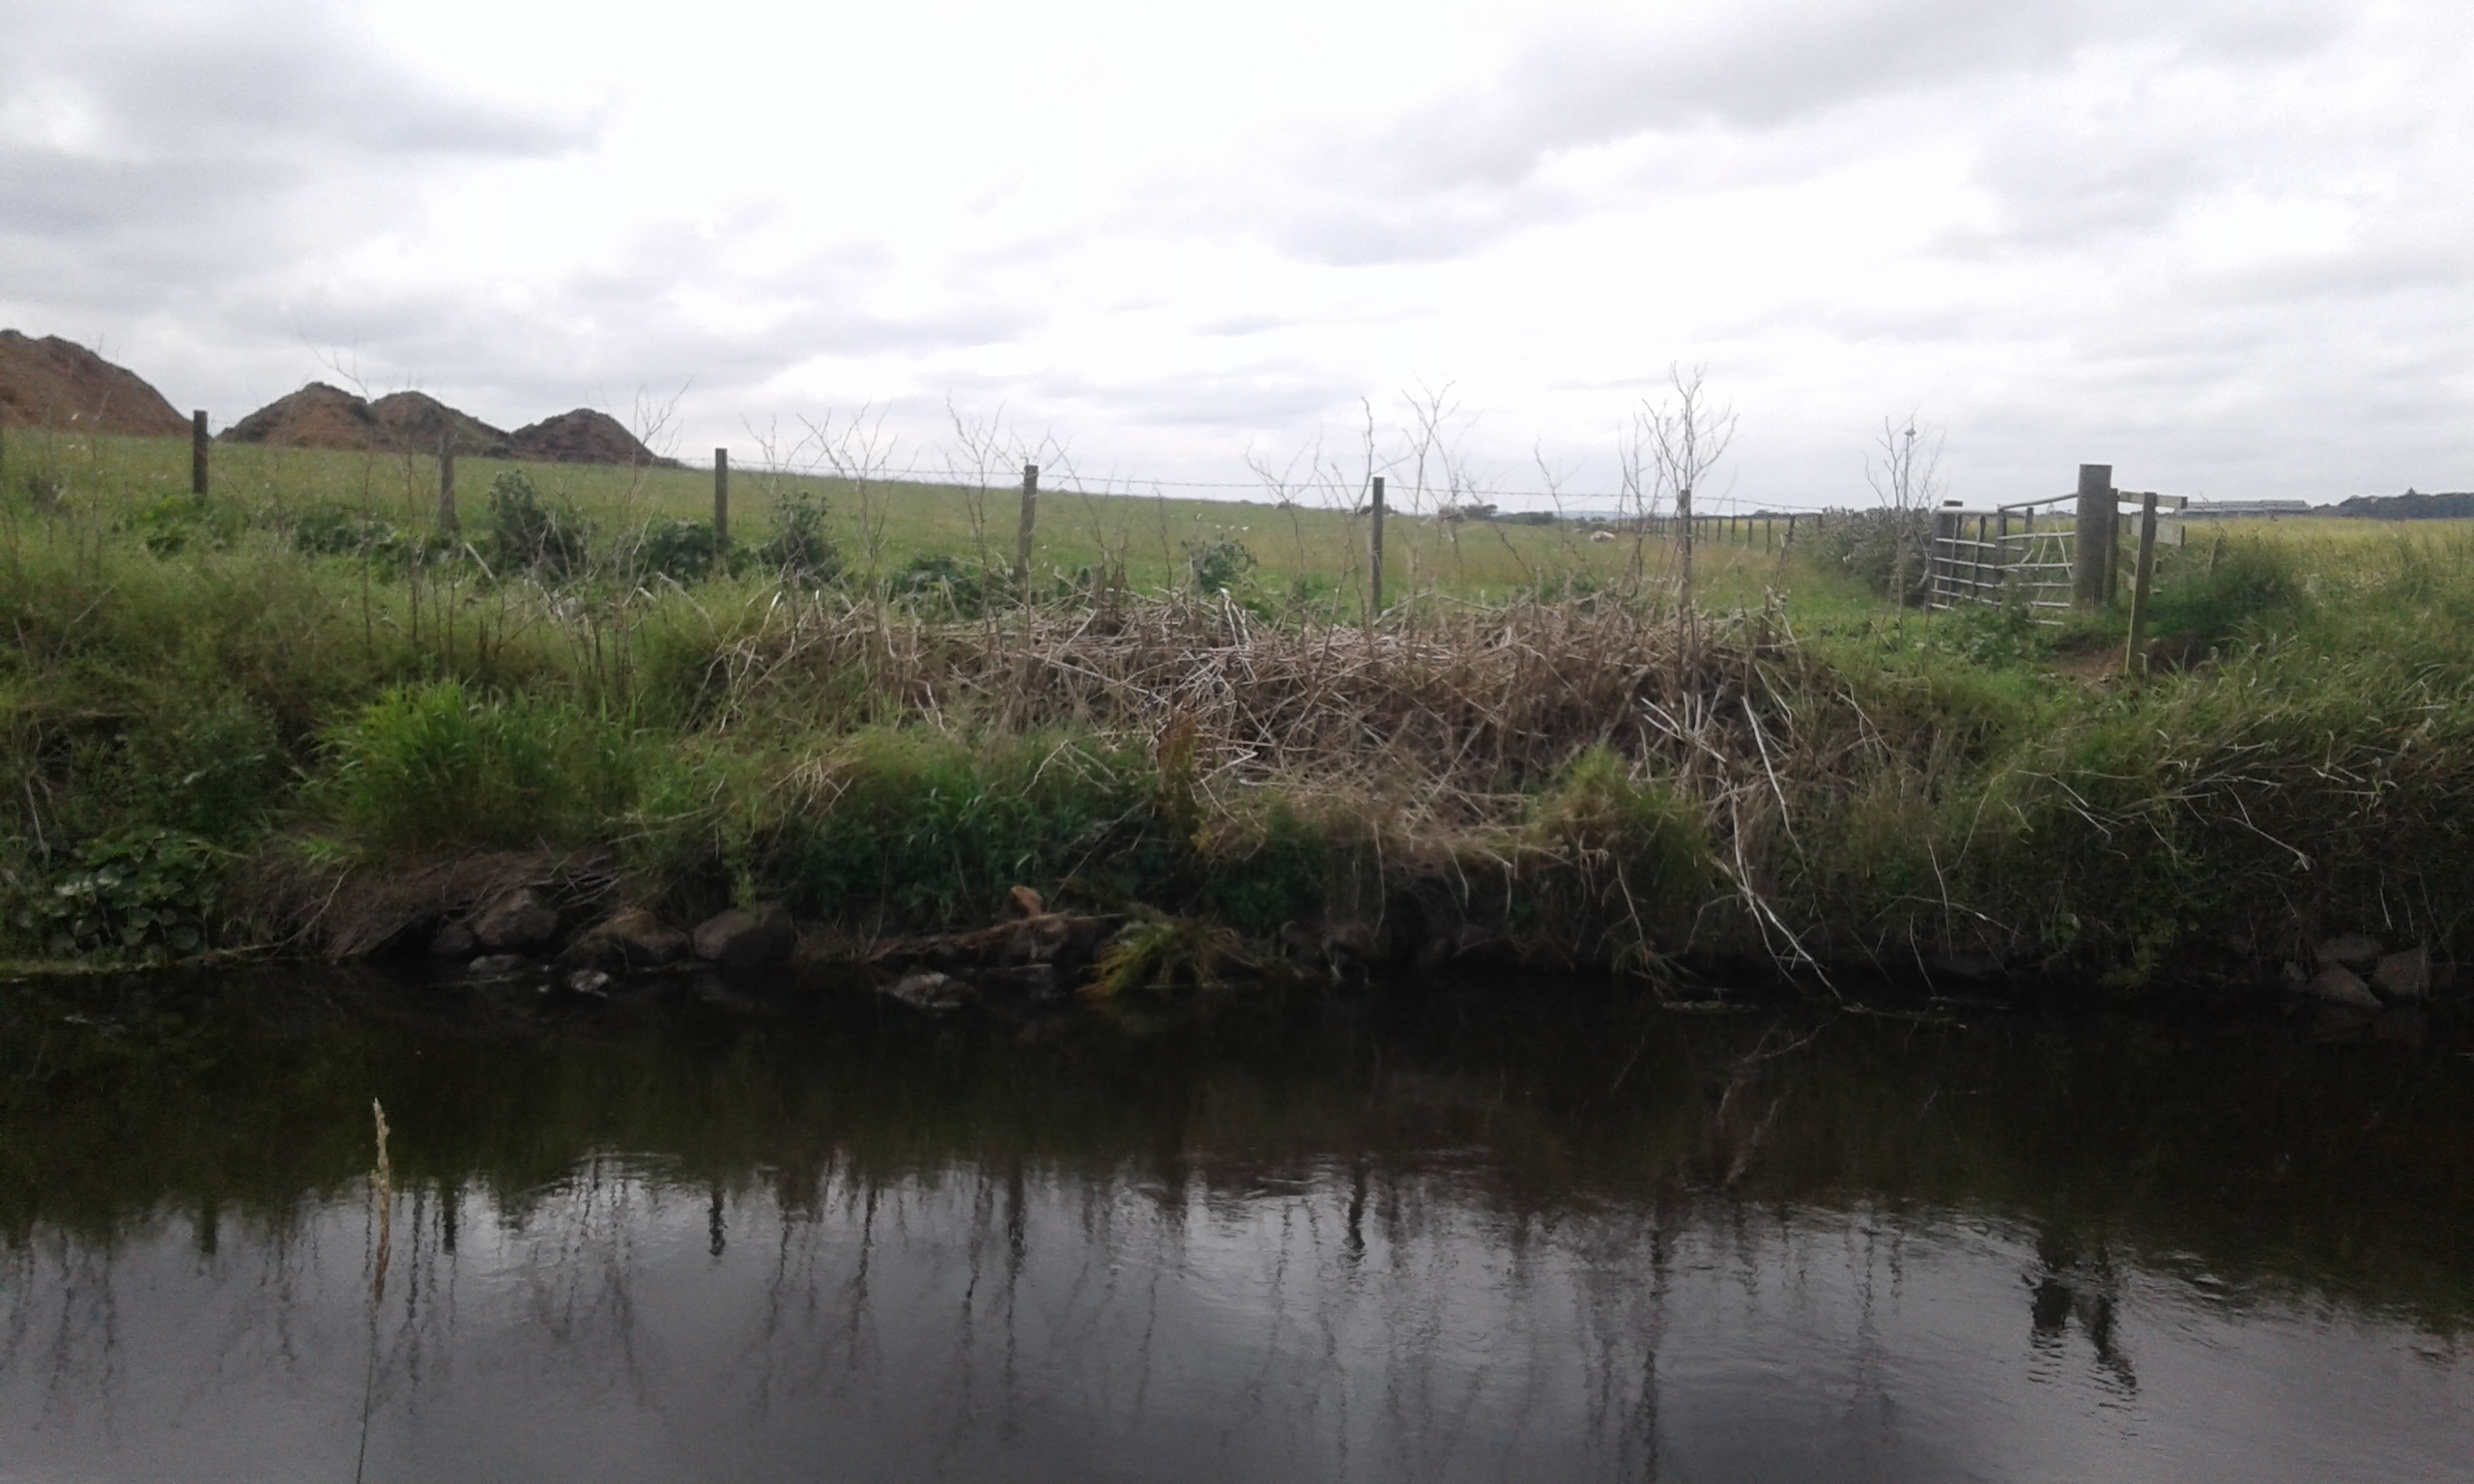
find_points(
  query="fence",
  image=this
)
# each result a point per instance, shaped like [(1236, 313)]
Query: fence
[(2005, 555)]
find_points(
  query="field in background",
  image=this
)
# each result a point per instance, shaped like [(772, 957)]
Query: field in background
[(1305, 550)]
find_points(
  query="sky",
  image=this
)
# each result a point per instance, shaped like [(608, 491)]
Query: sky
[(2226, 245)]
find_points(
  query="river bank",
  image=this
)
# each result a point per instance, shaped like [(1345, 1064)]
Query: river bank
[(272, 739)]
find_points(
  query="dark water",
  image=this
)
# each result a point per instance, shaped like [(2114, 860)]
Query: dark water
[(1485, 1237)]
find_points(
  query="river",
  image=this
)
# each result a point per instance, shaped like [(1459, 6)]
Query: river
[(754, 1230)]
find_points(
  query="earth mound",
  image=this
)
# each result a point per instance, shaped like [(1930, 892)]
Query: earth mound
[(316, 417), (417, 420), (585, 437), (60, 384)]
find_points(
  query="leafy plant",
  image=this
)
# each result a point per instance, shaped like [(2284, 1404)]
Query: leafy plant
[(524, 533), (683, 550), (799, 550), (145, 894), (1216, 566)]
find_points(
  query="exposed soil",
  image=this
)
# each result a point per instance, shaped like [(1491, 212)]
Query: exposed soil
[(417, 419), (316, 417), (59, 385), (584, 436), (323, 416)]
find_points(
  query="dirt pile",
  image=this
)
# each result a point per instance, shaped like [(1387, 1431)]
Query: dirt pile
[(316, 417), (59, 385), (417, 420), (323, 416), (585, 437)]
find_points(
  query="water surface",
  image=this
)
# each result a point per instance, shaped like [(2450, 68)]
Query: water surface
[(1481, 1236)]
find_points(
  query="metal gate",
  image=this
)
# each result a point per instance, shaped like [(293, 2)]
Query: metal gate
[(2009, 553)]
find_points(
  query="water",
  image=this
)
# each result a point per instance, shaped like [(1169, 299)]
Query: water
[(1483, 1236)]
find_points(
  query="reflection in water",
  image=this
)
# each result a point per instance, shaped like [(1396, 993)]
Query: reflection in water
[(1479, 1242)]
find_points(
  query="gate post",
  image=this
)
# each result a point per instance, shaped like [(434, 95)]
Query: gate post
[(2091, 557)]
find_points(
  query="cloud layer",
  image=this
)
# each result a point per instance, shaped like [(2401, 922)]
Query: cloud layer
[(2224, 245)]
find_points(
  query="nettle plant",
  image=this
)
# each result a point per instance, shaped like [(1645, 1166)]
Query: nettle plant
[(143, 894)]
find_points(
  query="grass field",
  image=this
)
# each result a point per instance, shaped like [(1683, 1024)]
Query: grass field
[(218, 713)]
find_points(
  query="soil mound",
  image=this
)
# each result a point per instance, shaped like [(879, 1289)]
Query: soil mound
[(585, 437), (60, 384), (417, 420), (316, 417)]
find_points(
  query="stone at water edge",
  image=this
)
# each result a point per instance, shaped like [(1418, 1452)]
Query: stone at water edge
[(2403, 977), (520, 919), (2355, 951), (746, 937), (929, 989), (629, 939), (498, 966), (2336, 985), (455, 940)]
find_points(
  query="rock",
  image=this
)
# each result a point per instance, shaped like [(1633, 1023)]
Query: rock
[(591, 982), (1036, 981), (520, 919), (498, 966), (453, 941), (930, 990), (1021, 902), (629, 939), (746, 937), (2355, 951), (2336, 985), (1067, 943), (2403, 978)]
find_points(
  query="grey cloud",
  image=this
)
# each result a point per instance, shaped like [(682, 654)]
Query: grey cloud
[(1789, 60), (292, 78)]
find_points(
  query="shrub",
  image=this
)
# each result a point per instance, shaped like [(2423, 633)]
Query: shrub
[(1216, 566), (1868, 544), (526, 533), (799, 550), (683, 550)]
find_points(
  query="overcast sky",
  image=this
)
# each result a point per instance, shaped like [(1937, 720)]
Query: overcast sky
[(2227, 245)]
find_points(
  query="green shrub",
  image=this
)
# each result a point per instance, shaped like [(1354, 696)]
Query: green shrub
[(683, 550), (799, 551), (526, 533), (1217, 566)]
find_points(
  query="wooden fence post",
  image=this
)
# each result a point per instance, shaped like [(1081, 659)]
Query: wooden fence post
[(2092, 573), (446, 482), (2130, 659), (721, 497), (1374, 551), (197, 451), (1030, 522)]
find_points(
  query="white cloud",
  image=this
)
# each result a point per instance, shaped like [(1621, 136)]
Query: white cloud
[(2225, 242)]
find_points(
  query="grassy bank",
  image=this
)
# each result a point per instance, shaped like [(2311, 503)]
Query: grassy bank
[(222, 714)]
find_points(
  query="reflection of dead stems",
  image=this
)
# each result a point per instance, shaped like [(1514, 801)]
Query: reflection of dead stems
[(381, 1196)]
